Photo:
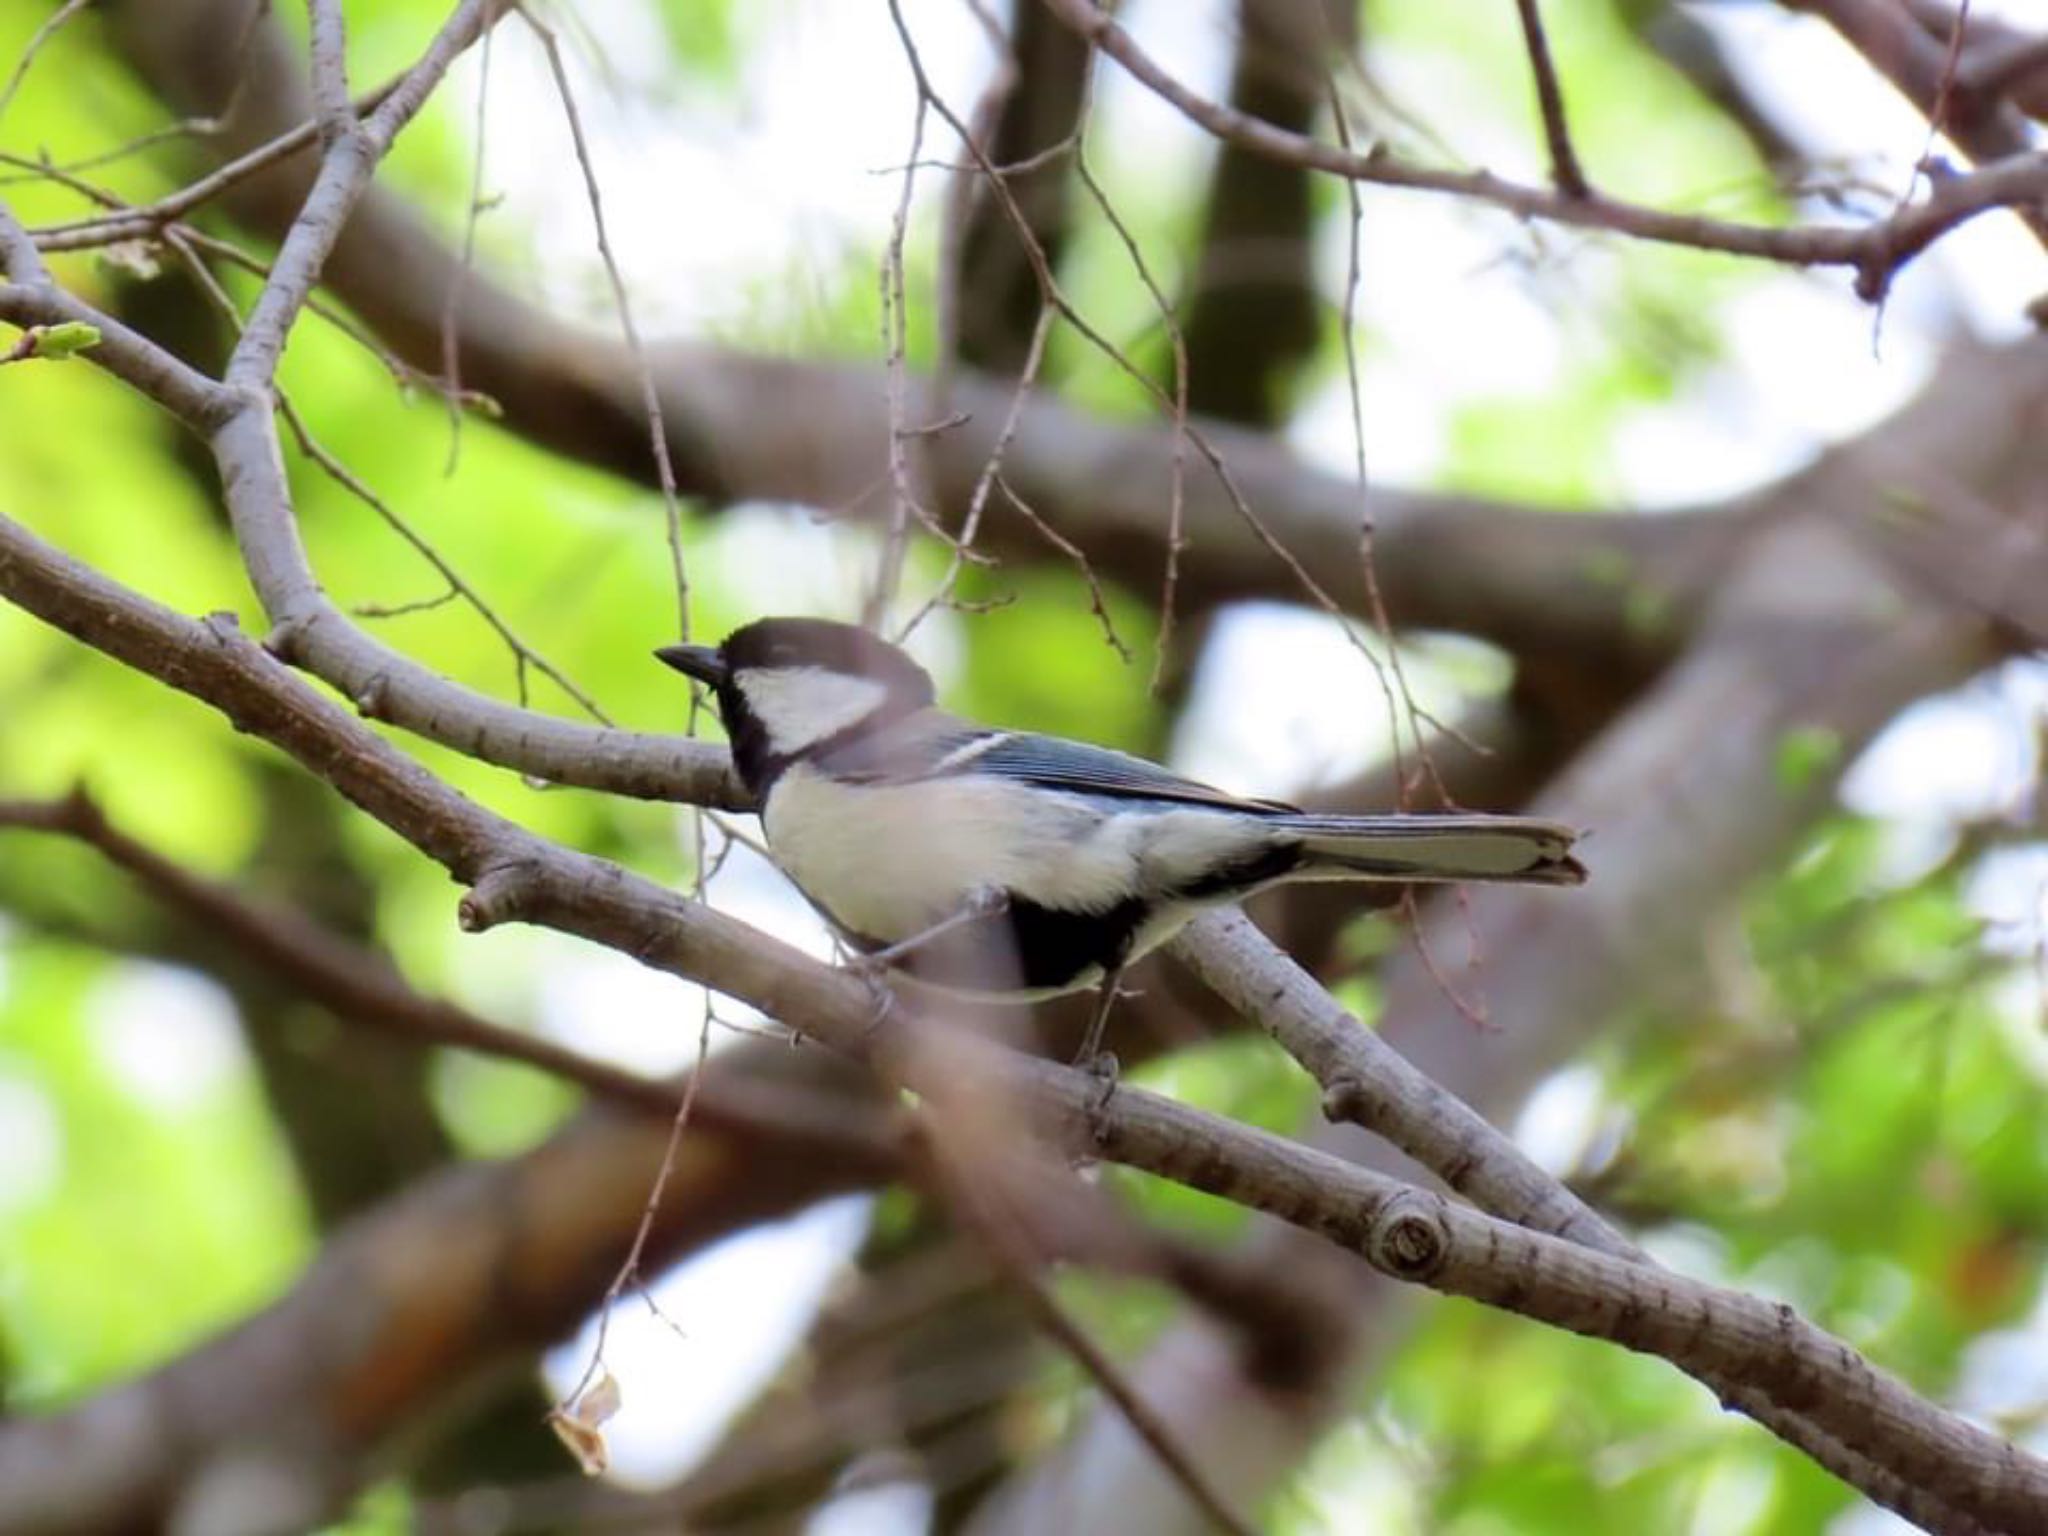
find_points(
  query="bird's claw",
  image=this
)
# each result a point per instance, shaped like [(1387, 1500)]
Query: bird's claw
[(867, 967), (872, 974), (1104, 1067)]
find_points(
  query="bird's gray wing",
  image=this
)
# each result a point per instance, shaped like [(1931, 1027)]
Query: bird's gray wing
[(933, 744), (1053, 762)]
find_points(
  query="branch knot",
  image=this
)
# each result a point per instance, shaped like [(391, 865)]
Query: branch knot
[(501, 894), (1345, 1098), (1408, 1239)]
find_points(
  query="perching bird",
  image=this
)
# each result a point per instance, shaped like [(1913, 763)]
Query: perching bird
[(1001, 862)]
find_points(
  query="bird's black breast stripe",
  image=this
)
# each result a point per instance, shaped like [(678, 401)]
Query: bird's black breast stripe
[(1255, 869), (1024, 946), (1054, 947)]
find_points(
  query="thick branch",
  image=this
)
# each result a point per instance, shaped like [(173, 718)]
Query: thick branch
[(361, 986), (1368, 1083)]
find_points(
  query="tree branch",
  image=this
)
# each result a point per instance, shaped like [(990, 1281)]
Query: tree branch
[(1875, 252), (1985, 127), (1565, 172), (360, 986), (1370, 1084)]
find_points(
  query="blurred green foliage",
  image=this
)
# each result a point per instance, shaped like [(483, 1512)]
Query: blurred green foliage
[(1849, 1125)]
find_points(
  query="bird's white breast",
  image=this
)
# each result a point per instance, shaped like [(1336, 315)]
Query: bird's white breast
[(888, 861)]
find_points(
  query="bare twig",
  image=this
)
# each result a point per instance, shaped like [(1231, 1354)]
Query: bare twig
[(650, 398), (1925, 73), (1394, 690), (315, 634), (41, 36), (904, 499), (1564, 160), (959, 204), (986, 481), (1177, 484), (1059, 541), (524, 656), (451, 305), (984, 1197), (144, 219)]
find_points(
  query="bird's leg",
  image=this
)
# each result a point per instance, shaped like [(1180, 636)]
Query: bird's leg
[(1094, 1060), (1092, 1057), (980, 904)]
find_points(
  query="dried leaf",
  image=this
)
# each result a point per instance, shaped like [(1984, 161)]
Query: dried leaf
[(578, 1424)]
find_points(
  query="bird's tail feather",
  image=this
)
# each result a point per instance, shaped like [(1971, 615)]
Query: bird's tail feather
[(1443, 846)]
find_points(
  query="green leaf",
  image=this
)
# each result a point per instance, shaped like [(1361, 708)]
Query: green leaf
[(54, 343), (1804, 754)]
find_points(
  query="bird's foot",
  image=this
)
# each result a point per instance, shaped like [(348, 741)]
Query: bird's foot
[(870, 968), (872, 972), (1104, 1067)]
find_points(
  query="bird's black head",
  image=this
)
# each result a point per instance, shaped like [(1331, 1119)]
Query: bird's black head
[(787, 688)]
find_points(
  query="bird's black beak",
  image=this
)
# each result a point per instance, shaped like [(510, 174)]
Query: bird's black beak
[(699, 661)]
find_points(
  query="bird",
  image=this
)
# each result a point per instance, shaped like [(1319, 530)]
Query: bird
[(1009, 864)]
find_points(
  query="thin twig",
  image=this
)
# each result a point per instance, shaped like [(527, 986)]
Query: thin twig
[(524, 656), (979, 1195), (985, 481), (1564, 160), (1052, 294), (1177, 480), (451, 349), (41, 36), (958, 208), (138, 221), (1075, 553), (353, 148), (650, 397), (904, 501)]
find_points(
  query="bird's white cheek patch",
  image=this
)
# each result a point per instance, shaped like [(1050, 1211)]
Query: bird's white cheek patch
[(802, 706)]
